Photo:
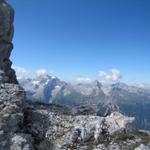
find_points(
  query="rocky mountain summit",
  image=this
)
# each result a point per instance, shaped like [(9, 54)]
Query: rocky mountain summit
[(26, 125)]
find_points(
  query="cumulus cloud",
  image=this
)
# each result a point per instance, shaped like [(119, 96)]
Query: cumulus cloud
[(113, 76), (21, 71), (84, 80), (24, 73), (116, 75), (41, 72), (103, 73)]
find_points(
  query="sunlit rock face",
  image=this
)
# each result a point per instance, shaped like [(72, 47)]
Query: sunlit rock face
[(7, 75)]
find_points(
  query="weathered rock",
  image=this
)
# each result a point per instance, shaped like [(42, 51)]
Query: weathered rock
[(6, 46), (116, 122), (12, 98), (100, 147), (142, 147), (66, 130), (22, 142)]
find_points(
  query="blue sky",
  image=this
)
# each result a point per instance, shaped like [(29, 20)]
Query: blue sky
[(81, 37)]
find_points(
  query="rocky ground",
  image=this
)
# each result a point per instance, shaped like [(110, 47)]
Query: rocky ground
[(28, 126), (61, 129)]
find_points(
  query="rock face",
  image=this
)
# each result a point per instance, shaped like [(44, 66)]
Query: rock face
[(7, 75), (12, 98)]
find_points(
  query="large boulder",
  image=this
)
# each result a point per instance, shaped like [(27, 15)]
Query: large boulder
[(117, 122), (7, 75)]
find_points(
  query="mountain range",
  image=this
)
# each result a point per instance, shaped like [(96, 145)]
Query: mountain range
[(93, 97)]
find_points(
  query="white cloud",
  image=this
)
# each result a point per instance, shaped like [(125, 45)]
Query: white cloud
[(140, 85), (83, 80), (113, 76), (41, 72), (24, 73), (21, 71), (116, 74), (103, 73)]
